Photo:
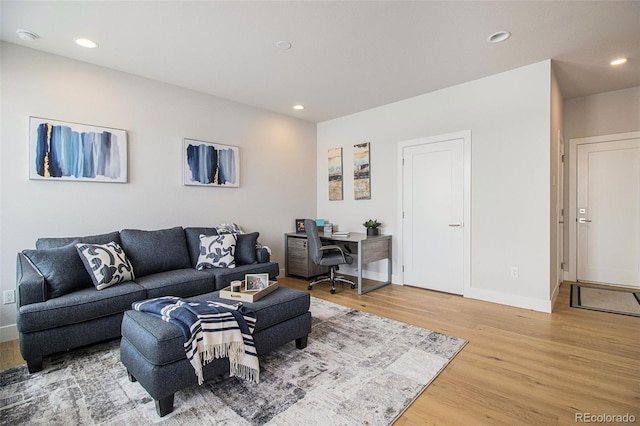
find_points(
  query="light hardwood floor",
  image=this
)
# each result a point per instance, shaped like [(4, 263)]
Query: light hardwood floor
[(519, 367)]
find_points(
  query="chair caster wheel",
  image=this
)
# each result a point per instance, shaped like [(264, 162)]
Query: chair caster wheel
[(310, 287), (333, 291), (353, 286)]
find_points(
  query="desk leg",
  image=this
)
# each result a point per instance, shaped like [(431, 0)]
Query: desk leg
[(389, 263), (359, 267), (389, 271)]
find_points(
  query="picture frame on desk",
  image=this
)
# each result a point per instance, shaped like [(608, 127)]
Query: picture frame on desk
[(300, 225)]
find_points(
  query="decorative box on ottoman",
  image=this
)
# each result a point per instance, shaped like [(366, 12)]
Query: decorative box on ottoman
[(153, 351)]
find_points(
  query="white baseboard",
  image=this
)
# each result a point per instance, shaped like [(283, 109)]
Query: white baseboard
[(509, 299), (370, 275), (8, 332)]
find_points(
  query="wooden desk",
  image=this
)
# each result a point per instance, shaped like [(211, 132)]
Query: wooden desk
[(365, 248)]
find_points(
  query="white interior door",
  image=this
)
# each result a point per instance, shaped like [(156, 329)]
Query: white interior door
[(433, 244), (608, 212)]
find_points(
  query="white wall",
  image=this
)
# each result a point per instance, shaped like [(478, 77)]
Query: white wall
[(602, 114), (277, 160), (509, 116)]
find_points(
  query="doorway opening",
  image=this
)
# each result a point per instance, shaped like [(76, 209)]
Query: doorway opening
[(604, 210)]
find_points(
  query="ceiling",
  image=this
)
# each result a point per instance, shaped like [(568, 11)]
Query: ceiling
[(346, 56)]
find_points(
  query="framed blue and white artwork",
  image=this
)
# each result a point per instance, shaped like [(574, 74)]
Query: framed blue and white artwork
[(59, 150), (210, 164)]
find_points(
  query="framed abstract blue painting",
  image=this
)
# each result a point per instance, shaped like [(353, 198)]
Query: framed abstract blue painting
[(59, 150), (210, 164)]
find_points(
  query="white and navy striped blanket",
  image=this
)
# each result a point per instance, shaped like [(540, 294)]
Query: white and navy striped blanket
[(212, 330)]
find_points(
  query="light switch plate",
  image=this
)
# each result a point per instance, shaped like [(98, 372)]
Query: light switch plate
[(9, 296)]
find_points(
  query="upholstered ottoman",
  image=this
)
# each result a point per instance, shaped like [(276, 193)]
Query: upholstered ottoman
[(152, 350)]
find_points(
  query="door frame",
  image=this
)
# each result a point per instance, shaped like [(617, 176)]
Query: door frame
[(560, 215), (571, 273), (465, 135)]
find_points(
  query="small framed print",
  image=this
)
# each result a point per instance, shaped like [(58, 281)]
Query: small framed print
[(210, 164), (255, 282), (299, 225)]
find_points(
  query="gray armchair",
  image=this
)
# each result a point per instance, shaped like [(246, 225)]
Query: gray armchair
[(328, 255)]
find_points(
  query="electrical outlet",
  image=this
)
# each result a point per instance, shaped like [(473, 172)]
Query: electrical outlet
[(9, 296), (515, 272)]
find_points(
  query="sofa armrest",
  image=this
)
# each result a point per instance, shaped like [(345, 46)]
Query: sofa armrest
[(30, 282), (262, 255)]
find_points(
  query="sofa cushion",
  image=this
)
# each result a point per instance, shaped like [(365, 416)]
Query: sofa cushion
[(61, 268), (223, 276), (193, 241), (80, 306), (158, 341), (151, 252), (217, 251), (107, 264), (180, 282), (47, 243), (246, 248)]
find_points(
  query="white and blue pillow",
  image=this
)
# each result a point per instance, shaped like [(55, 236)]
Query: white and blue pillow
[(107, 264), (217, 251)]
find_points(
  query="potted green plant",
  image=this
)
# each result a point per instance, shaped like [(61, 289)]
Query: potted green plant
[(372, 226)]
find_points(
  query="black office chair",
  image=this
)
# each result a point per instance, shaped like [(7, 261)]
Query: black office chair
[(328, 255)]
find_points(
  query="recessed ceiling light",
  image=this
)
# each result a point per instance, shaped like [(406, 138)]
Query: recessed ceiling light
[(499, 37), (27, 35), (298, 107), (618, 61), (85, 42), (283, 45)]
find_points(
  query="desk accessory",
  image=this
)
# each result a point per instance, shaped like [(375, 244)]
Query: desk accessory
[(372, 226), (328, 228), (341, 234), (248, 296)]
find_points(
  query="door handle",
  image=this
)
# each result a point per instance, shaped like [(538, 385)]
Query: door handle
[(455, 224), (583, 220)]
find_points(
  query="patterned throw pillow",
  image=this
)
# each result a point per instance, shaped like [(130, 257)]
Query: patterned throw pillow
[(107, 264), (228, 228), (217, 251)]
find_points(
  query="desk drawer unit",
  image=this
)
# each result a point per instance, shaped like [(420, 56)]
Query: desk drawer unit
[(298, 262)]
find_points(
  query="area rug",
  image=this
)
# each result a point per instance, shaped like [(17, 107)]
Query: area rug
[(358, 369), (605, 300)]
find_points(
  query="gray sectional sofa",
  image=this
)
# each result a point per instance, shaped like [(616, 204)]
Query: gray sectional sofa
[(60, 308)]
